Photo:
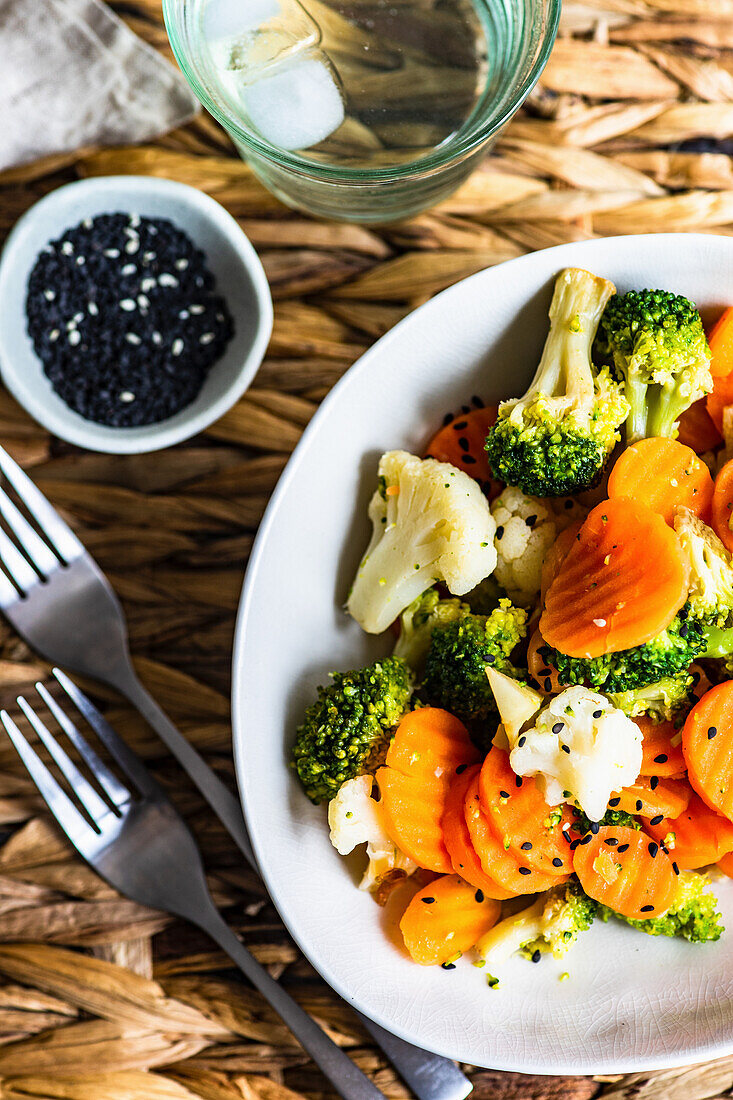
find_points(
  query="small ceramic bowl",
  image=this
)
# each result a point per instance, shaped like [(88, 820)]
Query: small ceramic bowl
[(230, 257)]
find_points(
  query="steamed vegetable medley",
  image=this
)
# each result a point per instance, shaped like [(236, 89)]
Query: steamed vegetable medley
[(550, 739)]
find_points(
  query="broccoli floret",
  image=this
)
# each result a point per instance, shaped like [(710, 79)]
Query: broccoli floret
[(347, 729), (659, 349), (455, 668), (568, 911), (662, 701), (554, 441), (669, 654), (431, 523), (485, 597), (611, 817), (711, 584), (417, 623), (692, 915)]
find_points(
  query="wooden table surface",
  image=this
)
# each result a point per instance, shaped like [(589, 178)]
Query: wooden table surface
[(101, 999)]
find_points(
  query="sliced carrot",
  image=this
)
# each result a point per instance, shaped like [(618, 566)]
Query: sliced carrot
[(495, 859), (659, 755), (696, 838), (461, 442), (445, 919), (652, 797), (707, 745), (602, 600), (626, 870), (556, 555), (726, 865), (522, 819), (722, 509), (720, 340), (430, 743), (696, 430), (664, 475), (545, 675), (458, 841), (428, 746)]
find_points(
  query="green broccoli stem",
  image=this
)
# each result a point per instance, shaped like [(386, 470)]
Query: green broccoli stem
[(665, 409), (718, 642), (636, 422)]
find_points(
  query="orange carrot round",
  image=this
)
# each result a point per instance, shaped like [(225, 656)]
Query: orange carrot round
[(521, 818), (495, 859), (626, 870), (445, 919), (430, 743), (603, 599), (652, 797), (461, 442), (722, 507), (659, 755), (556, 555), (696, 838), (726, 865), (696, 430), (707, 745), (458, 841), (545, 675), (664, 475), (720, 340)]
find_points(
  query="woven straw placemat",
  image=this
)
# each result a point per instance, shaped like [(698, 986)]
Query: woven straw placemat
[(101, 999)]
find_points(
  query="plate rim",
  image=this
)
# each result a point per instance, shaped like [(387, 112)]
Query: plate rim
[(682, 1056)]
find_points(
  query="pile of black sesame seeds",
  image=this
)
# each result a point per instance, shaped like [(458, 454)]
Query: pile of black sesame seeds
[(124, 315)]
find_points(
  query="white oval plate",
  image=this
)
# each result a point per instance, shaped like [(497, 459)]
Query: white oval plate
[(631, 1002)]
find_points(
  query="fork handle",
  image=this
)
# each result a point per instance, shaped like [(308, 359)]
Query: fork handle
[(347, 1079), (430, 1076)]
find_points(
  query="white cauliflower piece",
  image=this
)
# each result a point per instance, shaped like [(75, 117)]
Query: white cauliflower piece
[(526, 528), (516, 702), (431, 523), (580, 748), (354, 818)]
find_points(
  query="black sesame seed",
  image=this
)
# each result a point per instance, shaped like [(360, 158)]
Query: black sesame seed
[(597, 713), (654, 782), (459, 425), (499, 532), (530, 521), (524, 871), (526, 846), (647, 909), (548, 684), (447, 419), (428, 901), (479, 895), (463, 443), (611, 841), (574, 844), (623, 847), (558, 727), (653, 849), (661, 759), (518, 781), (657, 820), (675, 868), (503, 794), (712, 732), (565, 748), (594, 827), (522, 741), (556, 861), (639, 805), (545, 672), (461, 769), (536, 955), (448, 966), (477, 401), (568, 504), (614, 801), (587, 838), (468, 460)]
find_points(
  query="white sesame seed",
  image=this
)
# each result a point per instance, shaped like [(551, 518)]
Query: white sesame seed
[(127, 397), (67, 248), (93, 309), (167, 280), (54, 335), (74, 337), (148, 284), (128, 269), (599, 622), (182, 264), (153, 230), (132, 247), (71, 325), (184, 315), (87, 223), (49, 295), (128, 304), (111, 253), (143, 301), (148, 257), (81, 260), (131, 233), (195, 310), (132, 338), (157, 338), (177, 347), (134, 220), (78, 317), (207, 338), (220, 317)]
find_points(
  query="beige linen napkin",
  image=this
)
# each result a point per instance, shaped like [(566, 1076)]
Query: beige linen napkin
[(74, 75)]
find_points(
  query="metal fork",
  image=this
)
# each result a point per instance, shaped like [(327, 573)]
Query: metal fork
[(134, 838), (58, 599)]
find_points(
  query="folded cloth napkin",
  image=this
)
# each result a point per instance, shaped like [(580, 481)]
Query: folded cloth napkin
[(75, 75)]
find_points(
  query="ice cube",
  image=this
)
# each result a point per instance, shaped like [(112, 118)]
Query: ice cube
[(296, 103), (230, 18)]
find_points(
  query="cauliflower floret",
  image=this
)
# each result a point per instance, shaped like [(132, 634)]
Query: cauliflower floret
[(552, 924), (711, 575), (526, 528), (516, 702), (431, 523), (354, 818), (580, 748)]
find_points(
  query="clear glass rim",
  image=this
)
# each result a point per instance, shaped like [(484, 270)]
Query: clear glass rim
[(338, 174)]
